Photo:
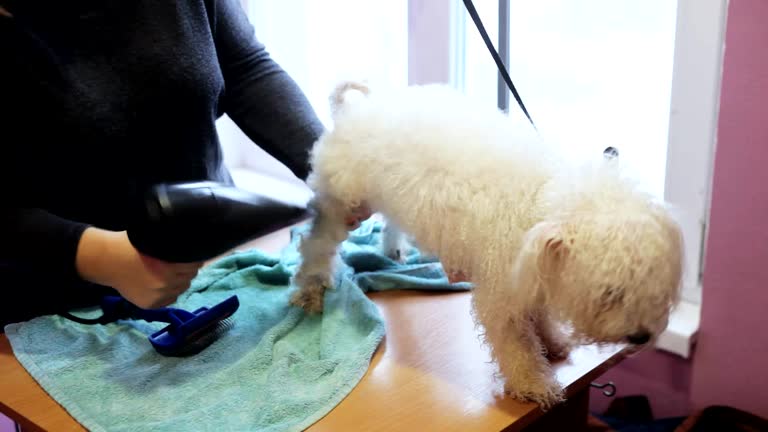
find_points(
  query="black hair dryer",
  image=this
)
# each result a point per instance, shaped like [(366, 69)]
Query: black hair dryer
[(197, 221)]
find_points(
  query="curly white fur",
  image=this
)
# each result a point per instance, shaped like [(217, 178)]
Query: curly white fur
[(545, 243)]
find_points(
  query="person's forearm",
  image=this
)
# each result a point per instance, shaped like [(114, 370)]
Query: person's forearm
[(93, 253), (35, 236)]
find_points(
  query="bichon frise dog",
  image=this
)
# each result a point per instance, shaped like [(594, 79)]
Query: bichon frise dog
[(546, 244)]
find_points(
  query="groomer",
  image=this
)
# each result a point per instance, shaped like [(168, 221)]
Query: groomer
[(102, 99)]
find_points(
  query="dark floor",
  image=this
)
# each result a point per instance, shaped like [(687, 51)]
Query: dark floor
[(633, 414)]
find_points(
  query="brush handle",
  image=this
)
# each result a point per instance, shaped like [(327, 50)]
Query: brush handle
[(116, 308)]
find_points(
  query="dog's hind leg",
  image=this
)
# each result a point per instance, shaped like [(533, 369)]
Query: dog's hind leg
[(318, 250), (394, 243)]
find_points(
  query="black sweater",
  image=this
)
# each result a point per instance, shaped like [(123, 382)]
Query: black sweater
[(100, 99)]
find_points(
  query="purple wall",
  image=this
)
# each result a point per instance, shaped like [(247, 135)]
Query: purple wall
[(664, 378), (6, 425), (731, 362)]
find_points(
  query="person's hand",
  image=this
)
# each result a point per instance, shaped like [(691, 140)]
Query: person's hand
[(108, 258)]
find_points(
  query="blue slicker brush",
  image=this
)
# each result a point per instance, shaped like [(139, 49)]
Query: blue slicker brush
[(187, 333)]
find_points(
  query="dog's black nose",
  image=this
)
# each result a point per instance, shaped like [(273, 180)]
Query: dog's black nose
[(639, 338)]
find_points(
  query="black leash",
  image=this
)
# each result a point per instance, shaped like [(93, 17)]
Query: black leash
[(499, 64)]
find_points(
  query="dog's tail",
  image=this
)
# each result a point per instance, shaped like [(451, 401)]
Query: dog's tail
[(338, 97)]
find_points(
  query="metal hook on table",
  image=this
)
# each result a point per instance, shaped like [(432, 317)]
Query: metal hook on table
[(609, 389)]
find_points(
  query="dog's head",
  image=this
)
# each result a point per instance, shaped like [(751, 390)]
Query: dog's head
[(614, 277)]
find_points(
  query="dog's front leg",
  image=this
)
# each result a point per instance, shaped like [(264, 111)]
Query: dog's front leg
[(318, 252), (510, 334), (553, 338), (519, 353)]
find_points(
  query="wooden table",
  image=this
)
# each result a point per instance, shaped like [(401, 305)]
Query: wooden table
[(429, 373)]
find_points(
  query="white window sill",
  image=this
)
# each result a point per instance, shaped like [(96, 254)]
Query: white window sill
[(681, 330)]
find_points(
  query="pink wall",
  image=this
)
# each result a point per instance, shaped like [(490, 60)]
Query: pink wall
[(731, 363), (428, 41)]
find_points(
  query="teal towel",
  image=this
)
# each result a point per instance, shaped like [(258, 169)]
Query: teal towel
[(278, 369)]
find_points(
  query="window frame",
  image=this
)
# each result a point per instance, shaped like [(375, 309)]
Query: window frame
[(692, 138)]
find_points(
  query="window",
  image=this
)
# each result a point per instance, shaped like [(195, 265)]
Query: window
[(593, 74), (639, 76), (322, 42), (318, 43)]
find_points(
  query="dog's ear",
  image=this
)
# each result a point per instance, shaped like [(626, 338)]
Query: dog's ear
[(554, 249), (542, 254)]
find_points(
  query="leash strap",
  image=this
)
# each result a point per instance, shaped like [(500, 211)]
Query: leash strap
[(499, 64)]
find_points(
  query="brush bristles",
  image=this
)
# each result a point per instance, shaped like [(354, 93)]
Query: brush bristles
[(203, 339)]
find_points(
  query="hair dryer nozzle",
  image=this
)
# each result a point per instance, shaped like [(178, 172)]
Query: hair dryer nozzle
[(197, 221)]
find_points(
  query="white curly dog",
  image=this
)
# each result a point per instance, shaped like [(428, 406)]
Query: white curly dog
[(557, 253)]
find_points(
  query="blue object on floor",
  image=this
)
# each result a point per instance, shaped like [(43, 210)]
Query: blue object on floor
[(277, 369)]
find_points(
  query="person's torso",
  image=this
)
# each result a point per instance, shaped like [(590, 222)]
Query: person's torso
[(106, 98)]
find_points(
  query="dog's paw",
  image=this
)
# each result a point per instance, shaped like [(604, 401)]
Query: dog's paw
[(311, 302), (545, 393), (313, 281), (311, 292), (558, 349)]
